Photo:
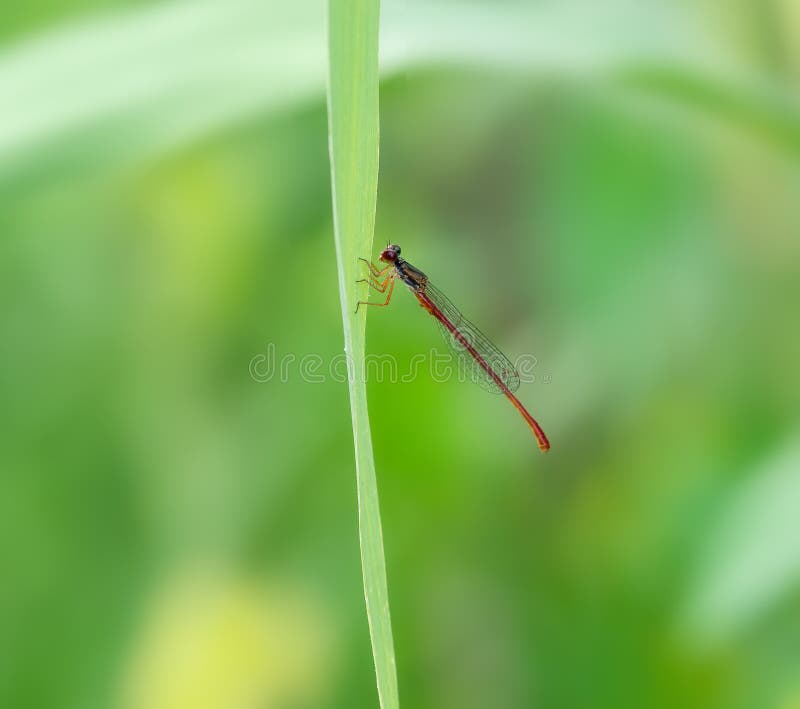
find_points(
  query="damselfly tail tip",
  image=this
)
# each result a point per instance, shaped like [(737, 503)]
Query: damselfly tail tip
[(541, 439)]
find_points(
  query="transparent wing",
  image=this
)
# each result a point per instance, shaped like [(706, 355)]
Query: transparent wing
[(474, 338)]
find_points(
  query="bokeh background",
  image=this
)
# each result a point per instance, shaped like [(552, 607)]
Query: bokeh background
[(613, 187)]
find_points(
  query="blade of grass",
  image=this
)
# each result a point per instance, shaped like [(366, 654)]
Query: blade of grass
[(353, 135)]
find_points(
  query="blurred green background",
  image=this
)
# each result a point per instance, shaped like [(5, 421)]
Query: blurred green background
[(613, 187)]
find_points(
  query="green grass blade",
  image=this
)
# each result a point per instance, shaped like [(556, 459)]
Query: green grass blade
[(353, 134)]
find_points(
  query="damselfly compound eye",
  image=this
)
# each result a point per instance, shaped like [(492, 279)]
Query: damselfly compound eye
[(390, 253)]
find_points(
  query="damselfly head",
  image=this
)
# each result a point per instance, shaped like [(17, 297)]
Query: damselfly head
[(390, 253)]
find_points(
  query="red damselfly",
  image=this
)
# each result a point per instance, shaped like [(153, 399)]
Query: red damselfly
[(484, 362)]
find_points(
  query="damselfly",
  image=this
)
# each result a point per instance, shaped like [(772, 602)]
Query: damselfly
[(484, 362)]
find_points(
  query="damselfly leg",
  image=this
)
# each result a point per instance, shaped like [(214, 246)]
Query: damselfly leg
[(377, 272), (381, 288)]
